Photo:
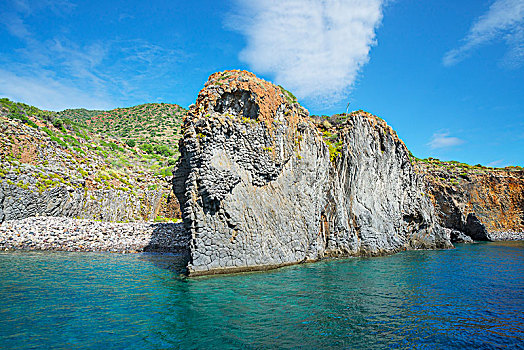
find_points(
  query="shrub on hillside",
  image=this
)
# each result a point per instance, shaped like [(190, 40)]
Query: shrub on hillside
[(131, 143)]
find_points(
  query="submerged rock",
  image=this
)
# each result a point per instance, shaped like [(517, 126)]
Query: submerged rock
[(262, 184)]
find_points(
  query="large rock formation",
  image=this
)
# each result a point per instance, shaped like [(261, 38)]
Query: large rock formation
[(262, 184), (483, 203)]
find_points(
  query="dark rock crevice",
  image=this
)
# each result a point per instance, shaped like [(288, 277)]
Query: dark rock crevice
[(238, 103), (475, 229)]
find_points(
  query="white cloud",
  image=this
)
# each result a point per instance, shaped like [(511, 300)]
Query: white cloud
[(503, 21), (315, 48), (443, 140), (48, 93)]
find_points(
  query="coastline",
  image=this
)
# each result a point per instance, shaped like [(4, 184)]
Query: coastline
[(67, 234), (49, 233), (502, 236)]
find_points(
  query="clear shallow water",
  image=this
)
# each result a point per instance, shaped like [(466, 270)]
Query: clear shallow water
[(472, 296)]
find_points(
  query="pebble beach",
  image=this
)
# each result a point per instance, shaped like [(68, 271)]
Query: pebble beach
[(67, 234)]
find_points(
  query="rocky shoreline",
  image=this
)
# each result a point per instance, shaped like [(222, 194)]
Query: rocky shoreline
[(505, 236), (260, 184), (66, 234), (80, 235)]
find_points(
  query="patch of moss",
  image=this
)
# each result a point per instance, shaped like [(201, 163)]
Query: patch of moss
[(248, 120)]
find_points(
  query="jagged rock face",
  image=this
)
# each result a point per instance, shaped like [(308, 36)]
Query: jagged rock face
[(377, 202), (249, 202), (484, 204), (259, 190)]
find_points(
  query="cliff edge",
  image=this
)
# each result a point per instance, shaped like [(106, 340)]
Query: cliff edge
[(262, 184)]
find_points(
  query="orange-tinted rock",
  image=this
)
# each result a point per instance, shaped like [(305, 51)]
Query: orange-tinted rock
[(493, 197)]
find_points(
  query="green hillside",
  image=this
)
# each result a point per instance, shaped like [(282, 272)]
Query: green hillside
[(126, 149), (151, 123)]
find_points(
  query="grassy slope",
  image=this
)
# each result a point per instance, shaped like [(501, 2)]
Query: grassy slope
[(92, 147), (152, 123)]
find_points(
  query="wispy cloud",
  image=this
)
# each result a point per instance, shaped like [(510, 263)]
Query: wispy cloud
[(315, 48), (100, 74), (503, 21), (124, 16), (59, 73), (15, 26), (49, 93), (58, 7), (444, 140), (495, 163)]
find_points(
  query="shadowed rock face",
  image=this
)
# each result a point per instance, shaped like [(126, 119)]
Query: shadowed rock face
[(261, 184)]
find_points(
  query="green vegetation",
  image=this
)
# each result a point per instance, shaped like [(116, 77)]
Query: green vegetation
[(452, 173), (126, 149), (20, 111), (248, 120), (153, 124), (334, 144), (162, 150), (332, 131), (290, 98)]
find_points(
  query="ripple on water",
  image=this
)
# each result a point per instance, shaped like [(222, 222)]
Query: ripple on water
[(472, 296)]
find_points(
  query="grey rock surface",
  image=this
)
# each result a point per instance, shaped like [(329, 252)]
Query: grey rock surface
[(17, 202), (459, 236), (259, 187), (378, 204)]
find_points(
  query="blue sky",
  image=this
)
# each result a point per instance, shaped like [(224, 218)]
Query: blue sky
[(447, 75)]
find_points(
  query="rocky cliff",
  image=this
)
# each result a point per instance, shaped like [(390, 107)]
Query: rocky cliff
[(482, 203), (262, 184), (19, 201)]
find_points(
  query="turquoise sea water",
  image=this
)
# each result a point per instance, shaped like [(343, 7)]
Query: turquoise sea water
[(469, 297)]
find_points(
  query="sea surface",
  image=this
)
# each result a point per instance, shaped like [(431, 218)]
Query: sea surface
[(468, 297)]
